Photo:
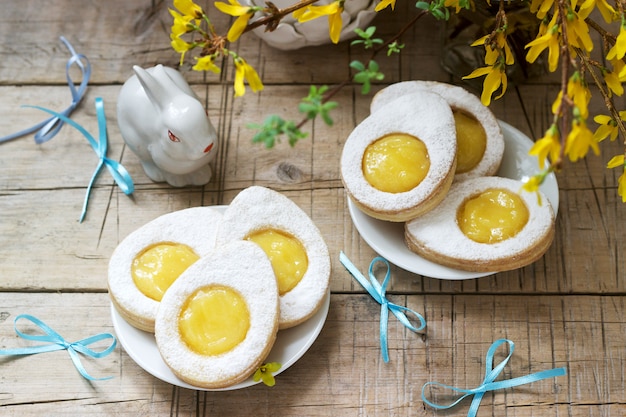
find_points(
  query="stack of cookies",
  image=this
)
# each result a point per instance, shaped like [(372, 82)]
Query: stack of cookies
[(427, 156), (215, 288)]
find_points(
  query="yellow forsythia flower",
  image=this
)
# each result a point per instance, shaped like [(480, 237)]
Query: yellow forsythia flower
[(547, 146), (615, 162), (495, 77), (332, 10), (606, 10), (243, 14), (541, 7), (206, 63), (384, 4), (180, 46), (180, 26), (549, 40), (578, 32), (611, 78), (189, 8), (579, 140), (243, 71), (578, 91), (619, 49), (266, 373), (608, 126)]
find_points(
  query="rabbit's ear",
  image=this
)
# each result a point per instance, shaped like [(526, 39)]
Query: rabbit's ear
[(159, 88)]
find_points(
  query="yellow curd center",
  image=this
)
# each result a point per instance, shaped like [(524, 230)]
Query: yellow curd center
[(287, 255), (492, 216), (471, 141), (214, 320), (396, 163), (157, 267)]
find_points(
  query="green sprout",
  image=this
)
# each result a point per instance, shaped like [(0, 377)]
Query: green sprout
[(367, 38), (314, 105), (366, 75), (273, 127)]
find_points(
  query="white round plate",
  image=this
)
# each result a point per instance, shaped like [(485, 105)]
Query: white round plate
[(387, 238), (289, 346)]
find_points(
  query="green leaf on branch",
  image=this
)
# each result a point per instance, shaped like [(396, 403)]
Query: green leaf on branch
[(273, 128), (365, 76), (314, 105), (437, 8), (367, 38)]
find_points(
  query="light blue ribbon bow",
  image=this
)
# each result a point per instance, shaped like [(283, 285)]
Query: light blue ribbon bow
[(489, 383), (50, 127), (57, 342), (119, 173), (378, 292)]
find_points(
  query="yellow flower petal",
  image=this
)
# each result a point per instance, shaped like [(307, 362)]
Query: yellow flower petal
[(189, 8)]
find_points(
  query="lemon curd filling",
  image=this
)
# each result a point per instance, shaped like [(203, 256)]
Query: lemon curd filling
[(158, 266), (471, 141), (287, 255), (214, 320), (396, 163), (492, 216)]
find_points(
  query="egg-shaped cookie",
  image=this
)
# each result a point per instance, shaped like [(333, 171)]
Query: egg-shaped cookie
[(399, 162), (485, 224), (148, 260), (218, 321), (480, 143), (292, 242)]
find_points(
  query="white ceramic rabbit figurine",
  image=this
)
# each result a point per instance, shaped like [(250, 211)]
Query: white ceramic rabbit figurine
[(164, 123)]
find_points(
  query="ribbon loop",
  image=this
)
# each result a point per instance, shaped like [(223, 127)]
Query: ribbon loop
[(378, 292), (489, 383), (48, 128), (118, 172), (57, 342)]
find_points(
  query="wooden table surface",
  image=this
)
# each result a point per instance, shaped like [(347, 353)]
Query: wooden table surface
[(566, 310)]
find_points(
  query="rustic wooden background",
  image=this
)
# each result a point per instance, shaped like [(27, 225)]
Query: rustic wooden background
[(567, 309)]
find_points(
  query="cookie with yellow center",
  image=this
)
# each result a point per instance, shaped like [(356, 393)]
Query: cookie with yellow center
[(144, 265), (218, 321), (480, 143), (291, 241), (484, 225), (399, 162)]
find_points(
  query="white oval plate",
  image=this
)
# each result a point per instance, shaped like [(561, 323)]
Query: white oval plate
[(289, 346), (387, 238)]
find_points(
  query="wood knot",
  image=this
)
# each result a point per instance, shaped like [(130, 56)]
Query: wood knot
[(287, 172), (4, 315)]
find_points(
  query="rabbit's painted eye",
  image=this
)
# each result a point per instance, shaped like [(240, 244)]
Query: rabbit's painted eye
[(172, 136)]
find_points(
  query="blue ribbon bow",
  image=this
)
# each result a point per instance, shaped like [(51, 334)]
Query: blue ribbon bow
[(57, 342), (51, 126), (489, 383), (119, 173), (378, 292)]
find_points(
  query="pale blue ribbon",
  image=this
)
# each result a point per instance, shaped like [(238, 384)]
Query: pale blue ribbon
[(119, 173), (57, 342), (378, 292), (50, 127), (489, 383)]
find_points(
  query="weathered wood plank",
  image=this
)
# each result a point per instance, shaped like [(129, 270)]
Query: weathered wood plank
[(343, 373)]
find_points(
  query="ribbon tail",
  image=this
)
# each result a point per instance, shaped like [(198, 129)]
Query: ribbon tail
[(384, 318), (81, 369)]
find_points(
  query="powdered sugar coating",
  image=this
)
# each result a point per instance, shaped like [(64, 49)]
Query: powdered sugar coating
[(457, 98), (258, 208), (243, 267), (439, 235), (424, 115), (195, 227)]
